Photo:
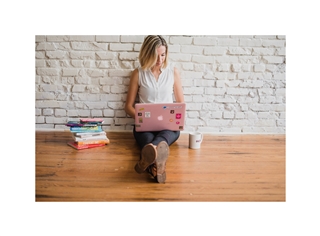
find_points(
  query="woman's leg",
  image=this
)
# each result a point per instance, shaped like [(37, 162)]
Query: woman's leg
[(143, 138), (162, 141), (155, 151), (166, 135)]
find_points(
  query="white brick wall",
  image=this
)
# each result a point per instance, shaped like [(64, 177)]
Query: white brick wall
[(232, 84)]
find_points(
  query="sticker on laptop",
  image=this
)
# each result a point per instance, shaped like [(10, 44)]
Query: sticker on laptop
[(178, 116), (140, 120), (147, 114)]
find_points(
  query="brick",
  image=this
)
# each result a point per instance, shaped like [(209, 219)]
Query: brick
[(106, 55), (96, 72), (202, 59), (191, 75), (56, 54), (128, 56), (239, 51), (259, 68), (210, 130), (215, 50), (82, 55), (44, 96), (171, 48), (232, 130), (40, 38), (108, 38), (210, 41), (219, 123), (57, 38), (274, 59), (263, 51), (40, 119), (273, 43), (120, 73), (215, 91), (180, 40), (47, 71), (116, 105), (228, 115), (250, 42), (72, 113), (82, 38), (46, 46), (132, 38), (86, 46), (118, 89), (56, 120), (192, 122), (60, 112), (180, 57), (69, 72), (237, 91), (96, 113), (108, 113), (194, 114), (192, 49), (78, 88), (93, 88), (228, 41), (252, 84), (121, 47), (193, 90), (227, 59)]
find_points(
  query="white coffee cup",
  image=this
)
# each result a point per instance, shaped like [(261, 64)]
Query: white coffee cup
[(195, 140)]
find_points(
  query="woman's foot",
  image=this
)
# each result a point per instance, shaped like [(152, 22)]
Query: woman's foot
[(148, 156), (160, 162)]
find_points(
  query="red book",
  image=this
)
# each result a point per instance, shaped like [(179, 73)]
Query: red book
[(80, 147)]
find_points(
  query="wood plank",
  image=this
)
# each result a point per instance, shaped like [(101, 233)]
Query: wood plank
[(226, 168)]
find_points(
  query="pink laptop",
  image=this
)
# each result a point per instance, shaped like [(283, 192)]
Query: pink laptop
[(159, 116)]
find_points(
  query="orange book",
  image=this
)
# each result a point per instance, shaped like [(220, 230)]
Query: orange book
[(76, 146), (98, 141)]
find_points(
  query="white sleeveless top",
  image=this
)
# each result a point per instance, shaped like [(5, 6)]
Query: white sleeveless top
[(152, 91)]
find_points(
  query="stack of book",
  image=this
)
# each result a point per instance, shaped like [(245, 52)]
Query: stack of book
[(87, 133)]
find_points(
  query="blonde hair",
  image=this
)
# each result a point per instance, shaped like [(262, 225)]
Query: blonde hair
[(148, 52)]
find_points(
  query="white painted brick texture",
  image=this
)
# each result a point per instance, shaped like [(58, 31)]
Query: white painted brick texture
[(232, 84)]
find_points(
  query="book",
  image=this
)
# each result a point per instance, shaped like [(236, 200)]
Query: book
[(87, 138), (88, 142), (88, 134), (75, 145), (79, 124), (91, 120), (86, 129)]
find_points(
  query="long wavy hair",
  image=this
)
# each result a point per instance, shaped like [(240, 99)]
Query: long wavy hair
[(148, 52)]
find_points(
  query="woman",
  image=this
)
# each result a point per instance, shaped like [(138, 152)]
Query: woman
[(154, 82)]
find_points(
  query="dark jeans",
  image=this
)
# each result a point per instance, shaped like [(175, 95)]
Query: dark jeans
[(155, 138)]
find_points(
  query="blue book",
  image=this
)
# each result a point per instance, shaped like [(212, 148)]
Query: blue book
[(86, 129)]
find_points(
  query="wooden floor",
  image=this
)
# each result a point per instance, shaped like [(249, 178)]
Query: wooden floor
[(226, 168)]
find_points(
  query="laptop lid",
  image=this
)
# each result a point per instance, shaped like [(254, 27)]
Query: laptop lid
[(159, 116)]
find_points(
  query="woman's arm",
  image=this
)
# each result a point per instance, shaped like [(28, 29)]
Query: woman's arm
[(132, 93), (177, 87)]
